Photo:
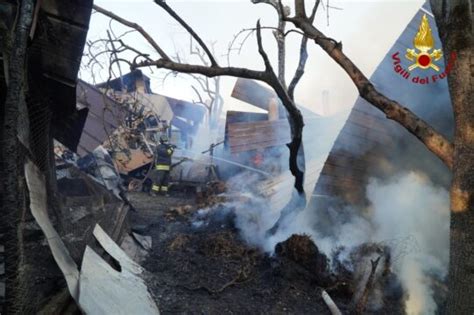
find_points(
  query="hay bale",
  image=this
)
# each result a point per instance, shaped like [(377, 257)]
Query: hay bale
[(223, 244), (302, 250)]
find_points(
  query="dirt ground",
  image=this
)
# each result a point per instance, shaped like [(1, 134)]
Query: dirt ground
[(212, 271)]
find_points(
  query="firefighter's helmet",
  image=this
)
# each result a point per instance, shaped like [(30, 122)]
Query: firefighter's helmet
[(163, 139)]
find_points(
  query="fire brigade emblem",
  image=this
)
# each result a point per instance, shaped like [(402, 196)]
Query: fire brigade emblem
[(424, 43)]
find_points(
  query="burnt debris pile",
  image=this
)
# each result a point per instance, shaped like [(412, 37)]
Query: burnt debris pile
[(209, 266), (301, 250)]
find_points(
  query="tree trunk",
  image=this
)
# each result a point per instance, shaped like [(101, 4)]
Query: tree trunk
[(455, 23), (11, 168)]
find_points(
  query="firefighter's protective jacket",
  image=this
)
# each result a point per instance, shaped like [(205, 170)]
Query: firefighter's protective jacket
[(163, 155)]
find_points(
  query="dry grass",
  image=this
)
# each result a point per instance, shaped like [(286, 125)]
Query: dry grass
[(223, 244), (179, 211), (179, 242)]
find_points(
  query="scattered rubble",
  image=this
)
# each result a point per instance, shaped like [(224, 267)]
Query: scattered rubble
[(211, 269), (144, 240), (133, 249)]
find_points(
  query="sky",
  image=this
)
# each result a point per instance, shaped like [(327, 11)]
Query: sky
[(367, 29)]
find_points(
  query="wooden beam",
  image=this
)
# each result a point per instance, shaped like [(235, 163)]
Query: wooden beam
[(247, 136)]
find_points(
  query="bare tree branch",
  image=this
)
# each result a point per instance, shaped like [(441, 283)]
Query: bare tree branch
[(300, 9), (135, 26), (300, 69), (313, 12), (198, 95), (188, 28), (295, 118), (273, 3), (433, 140), (204, 70), (279, 36), (303, 56), (268, 76)]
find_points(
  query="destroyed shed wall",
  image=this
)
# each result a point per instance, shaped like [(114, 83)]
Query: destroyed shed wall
[(85, 203), (372, 146)]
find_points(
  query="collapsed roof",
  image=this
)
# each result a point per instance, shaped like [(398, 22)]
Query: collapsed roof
[(187, 115)]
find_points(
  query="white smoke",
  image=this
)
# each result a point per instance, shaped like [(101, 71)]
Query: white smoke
[(408, 214), (410, 205)]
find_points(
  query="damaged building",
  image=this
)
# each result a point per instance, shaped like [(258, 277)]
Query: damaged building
[(62, 211), (88, 239), (126, 117)]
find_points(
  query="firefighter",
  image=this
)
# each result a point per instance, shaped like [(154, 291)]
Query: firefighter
[(163, 153)]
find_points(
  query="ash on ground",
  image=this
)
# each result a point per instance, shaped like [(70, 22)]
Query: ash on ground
[(206, 268)]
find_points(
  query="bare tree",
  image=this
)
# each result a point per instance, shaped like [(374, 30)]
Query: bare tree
[(455, 23), (206, 89), (214, 69), (210, 87)]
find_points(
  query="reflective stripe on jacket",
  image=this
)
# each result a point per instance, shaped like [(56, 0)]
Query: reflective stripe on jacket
[(161, 167)]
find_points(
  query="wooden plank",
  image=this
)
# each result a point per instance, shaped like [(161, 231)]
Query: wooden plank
[(262, 131), (367, 132), (236, 116), (255, 139), (369, 120), (345, 170), (276, 125), (246, 136), (255, 146), (251, 92), (338, 188), (341, 160), (341, 180)]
